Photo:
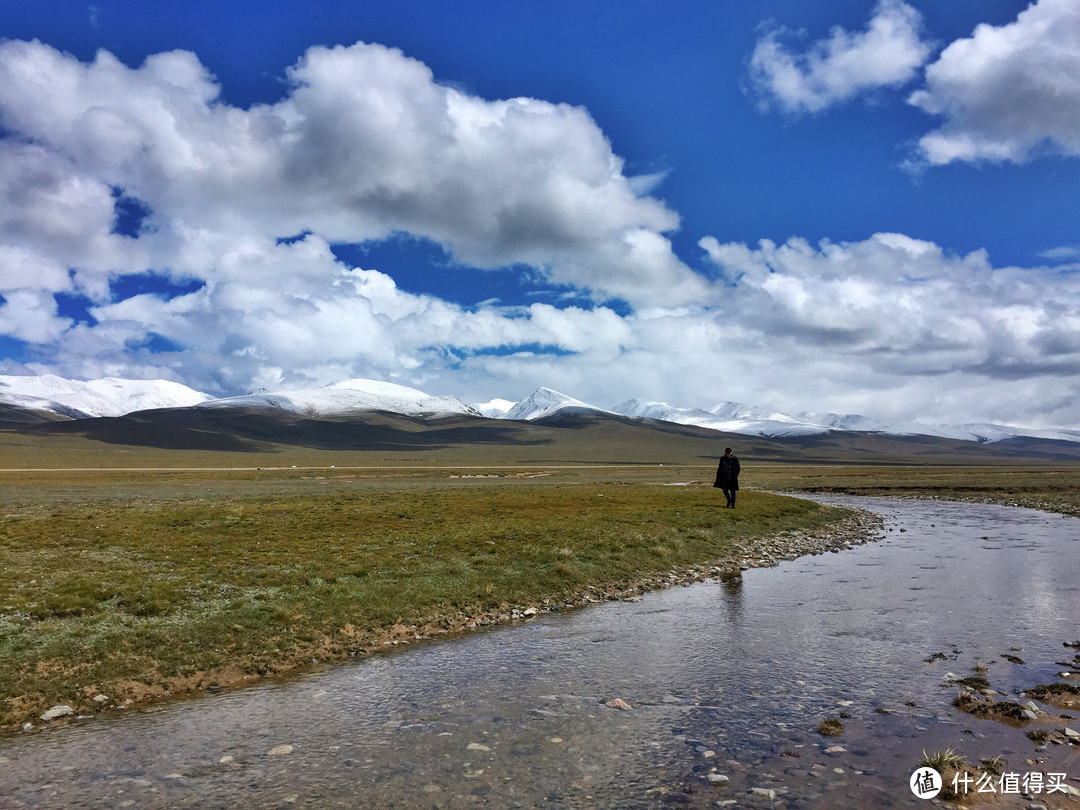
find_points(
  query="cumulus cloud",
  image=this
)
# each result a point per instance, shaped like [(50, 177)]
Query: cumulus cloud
[(365, 144), (1007, 93), (898, 317), (888, 53), (247, 203)]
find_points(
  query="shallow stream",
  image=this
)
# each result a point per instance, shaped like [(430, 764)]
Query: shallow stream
[(725, 678)]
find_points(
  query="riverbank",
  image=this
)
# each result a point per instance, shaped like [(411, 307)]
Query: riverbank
[(110, 601), (1051, 488)]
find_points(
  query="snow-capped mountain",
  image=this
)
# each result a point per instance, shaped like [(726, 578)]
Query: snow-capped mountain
[(842, 421), (105, 397), (730, 417), (734, 417), (982, 433), (545, 402), (115, 397), (349, 396)]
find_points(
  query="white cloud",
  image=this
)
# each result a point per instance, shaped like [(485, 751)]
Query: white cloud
[(887, 54), (365, 144), (891, 323), (30, 315), (1062, 253), (1007, 93)]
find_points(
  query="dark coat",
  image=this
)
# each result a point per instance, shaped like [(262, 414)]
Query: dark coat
[(727, 473)]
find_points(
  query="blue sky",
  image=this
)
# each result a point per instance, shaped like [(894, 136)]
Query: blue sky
[(851, 207)]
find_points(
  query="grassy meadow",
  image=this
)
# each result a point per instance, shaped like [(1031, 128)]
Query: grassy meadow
[(1055, 488), (148, 583), (152, 583)]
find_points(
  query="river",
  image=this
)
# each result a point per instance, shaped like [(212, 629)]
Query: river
[(702, 696)]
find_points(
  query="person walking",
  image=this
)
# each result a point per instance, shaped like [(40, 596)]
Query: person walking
[(727, 476)]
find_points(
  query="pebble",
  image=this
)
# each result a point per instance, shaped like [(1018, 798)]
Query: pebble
[(477, 747), (767, 793), (280, 750), (57, 711), (618, 703), (1071, 733), (718, 779), (835, 749)]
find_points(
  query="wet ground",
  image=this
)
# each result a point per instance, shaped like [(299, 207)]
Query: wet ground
[(650, 703)]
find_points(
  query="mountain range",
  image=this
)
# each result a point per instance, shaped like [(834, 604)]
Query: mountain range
[(48, 398)]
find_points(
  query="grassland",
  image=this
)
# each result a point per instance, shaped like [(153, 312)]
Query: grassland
[(1055, 488), (145, 584), (154, 582)]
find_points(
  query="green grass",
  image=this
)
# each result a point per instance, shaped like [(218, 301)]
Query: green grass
[(941, 760), (102, 591), (1052, 487), (134, 583)]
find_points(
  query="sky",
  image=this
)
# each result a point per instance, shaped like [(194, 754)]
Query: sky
[(853, 207)]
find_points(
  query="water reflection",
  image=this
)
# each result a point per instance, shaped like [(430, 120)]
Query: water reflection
[(731, 588)]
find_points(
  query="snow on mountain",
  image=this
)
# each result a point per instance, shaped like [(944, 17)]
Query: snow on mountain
[(734, 417), (545, 402), (983, 433), (493, 408), (114, 397), (105, 397), (661, 410), (349, 396), (730, 417), (841, 421)]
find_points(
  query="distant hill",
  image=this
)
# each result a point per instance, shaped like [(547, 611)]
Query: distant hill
[(368, 414), (544, 402), (349, 396), (271, 436), (110, 396)]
